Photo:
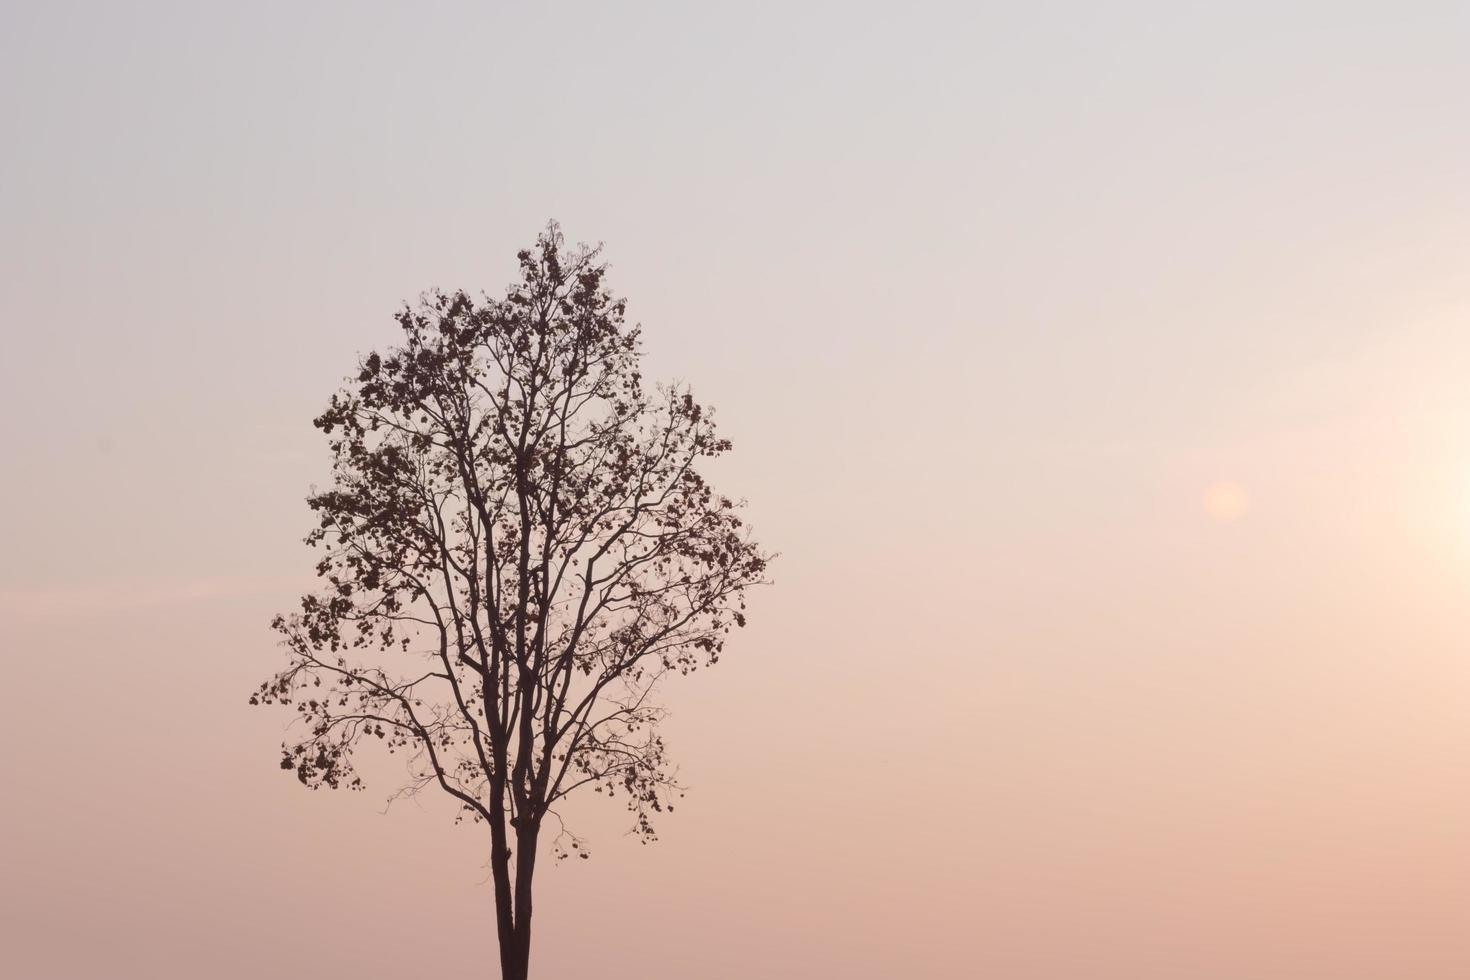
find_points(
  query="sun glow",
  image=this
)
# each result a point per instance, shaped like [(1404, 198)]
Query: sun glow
[(1226, 501)]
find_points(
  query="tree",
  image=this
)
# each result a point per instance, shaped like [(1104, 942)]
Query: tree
[(517, 547)]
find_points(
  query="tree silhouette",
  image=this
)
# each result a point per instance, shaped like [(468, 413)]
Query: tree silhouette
[(518, 545)]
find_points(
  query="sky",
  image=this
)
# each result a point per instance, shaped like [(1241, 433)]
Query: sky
[(1098, 372)]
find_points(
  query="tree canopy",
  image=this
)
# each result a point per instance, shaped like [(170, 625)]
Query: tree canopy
[(517, 546)]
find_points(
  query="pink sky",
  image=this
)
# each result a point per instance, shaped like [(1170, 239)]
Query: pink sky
[(1100, 377)]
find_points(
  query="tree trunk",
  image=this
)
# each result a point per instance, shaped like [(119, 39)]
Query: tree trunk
[(525, 870), (513, 966), (513, 918), (505, 925), (515, 954), (515, 963)]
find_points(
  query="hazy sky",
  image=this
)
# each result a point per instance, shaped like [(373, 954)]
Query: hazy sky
[(1099, 371)]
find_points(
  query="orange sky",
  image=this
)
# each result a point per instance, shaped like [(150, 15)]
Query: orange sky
[(1100, 377)]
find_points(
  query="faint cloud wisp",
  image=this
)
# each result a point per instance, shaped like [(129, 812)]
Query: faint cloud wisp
[(46, 602)]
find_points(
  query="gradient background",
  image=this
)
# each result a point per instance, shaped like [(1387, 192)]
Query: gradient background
[(1100, 375)]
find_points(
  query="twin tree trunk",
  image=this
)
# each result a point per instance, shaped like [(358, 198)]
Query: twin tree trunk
[(513, 920), (513, 888), (518, 546)]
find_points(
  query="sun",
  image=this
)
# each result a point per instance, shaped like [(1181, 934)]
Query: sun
[(1226, 501)]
